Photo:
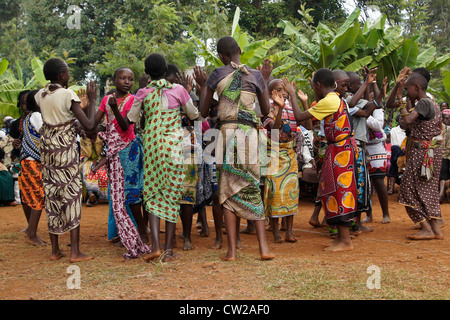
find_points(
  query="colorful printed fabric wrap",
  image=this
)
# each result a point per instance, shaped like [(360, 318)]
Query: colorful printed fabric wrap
[(128, 233), (164, 173), (427, 168), (61, 176), (30, 142)]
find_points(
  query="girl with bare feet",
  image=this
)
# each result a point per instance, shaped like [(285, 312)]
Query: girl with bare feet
[(60, 108), (124, 165), (337, 182), (237, 87), (30, 178), (281, 182), (419, 189), (162, 103)]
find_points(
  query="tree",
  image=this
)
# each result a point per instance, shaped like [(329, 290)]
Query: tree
[(351, 47)]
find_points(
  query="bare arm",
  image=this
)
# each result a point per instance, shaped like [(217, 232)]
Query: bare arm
[(360, 93), (206, 93), (87, 121)]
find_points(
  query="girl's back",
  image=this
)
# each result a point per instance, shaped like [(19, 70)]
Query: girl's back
[(56, 105)]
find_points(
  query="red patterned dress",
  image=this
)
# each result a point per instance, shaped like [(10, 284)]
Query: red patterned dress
[(337, 180)]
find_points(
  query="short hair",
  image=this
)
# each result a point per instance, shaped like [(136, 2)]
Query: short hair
[(53, 67), (227, 46), (325, 77), (120, 69), (21, 94), (155, 65), (340, 74), (353, 75), (423, 72), (417, 79), (31, 102), (172, 69), (272, 83)]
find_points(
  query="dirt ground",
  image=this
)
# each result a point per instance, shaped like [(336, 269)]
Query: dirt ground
[(301, 270)]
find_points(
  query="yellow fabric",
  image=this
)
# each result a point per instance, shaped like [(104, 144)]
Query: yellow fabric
[(326, 106)]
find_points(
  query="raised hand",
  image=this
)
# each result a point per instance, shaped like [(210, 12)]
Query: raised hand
[(278, 98), (266, 69), (289, 87), (83, 98), (91, 90), (302, 96), (371, 76), (404, 74), (200, 76), (186, 81)]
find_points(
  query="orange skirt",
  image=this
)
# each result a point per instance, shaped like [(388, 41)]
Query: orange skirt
[(30, 184)]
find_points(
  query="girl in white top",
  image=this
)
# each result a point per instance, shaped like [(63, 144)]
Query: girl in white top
[(60, 107)]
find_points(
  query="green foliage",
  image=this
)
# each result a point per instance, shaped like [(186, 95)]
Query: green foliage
[(351, 47), (253, 51), (12, 84)]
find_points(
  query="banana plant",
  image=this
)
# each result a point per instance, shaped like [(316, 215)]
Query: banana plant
[(12, 84), (351, 47), (253, 52)]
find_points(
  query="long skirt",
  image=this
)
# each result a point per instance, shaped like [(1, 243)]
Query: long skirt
[(362, 180), (239, 175), (30, 184), (6, 186), (281, 190), (378, 160), (421, 196), (61, 177)]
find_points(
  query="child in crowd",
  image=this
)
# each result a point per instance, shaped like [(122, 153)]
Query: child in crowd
[(419, 189), (164, 171), (30, 178), (281, 183), (60, 108), (237, 87), (124, 164), (337, 180)]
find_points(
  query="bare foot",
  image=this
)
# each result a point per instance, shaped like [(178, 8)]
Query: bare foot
[(367, 219), (386, 219), (248, 230), (35, 241), (204, 233), (422, 235), (169, 255), (277, 236), (364, 229), (57, 256), (267, 256), (290, 237), (217, 244), (80, 257), (228, 258), (340, 246), (151, 256), (315, 223), (187, 246)]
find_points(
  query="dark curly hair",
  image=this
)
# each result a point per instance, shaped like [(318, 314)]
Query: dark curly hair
[(155, 65)]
